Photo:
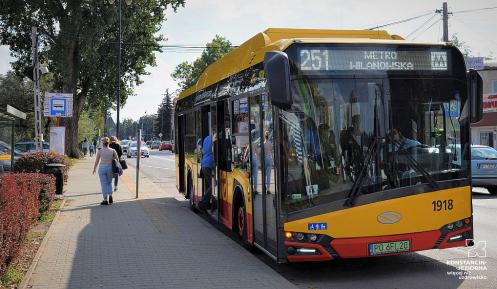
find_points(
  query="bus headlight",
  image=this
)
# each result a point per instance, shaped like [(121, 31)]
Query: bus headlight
[(450, 226), (299, 236), (313, 237)]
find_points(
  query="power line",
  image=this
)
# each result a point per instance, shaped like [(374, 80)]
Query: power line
[(427, 28), (474, 10), (421, 26), (400, 21)]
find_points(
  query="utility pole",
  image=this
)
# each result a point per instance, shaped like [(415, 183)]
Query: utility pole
[(36, 89), (119, 70), (445, 18)]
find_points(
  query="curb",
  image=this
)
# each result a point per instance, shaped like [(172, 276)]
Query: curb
[(37, 257)]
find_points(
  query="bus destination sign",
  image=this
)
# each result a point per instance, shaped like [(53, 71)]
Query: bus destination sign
[(326, 59)]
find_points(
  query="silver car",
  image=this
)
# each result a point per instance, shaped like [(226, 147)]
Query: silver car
[(484, 167), (133, 150)]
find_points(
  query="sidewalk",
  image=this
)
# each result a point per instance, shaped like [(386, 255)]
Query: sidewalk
[(152, 242)]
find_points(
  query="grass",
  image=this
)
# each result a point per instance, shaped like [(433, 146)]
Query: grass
[(71, 161), (49, 215), (14, 275)]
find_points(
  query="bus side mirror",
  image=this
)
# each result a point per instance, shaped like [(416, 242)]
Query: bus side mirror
[(277, 72), (475, 87)]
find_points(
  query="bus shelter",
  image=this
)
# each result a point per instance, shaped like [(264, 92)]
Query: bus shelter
[(8, 119)]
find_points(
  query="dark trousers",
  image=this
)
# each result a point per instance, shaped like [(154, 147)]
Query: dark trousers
[(207, 176)]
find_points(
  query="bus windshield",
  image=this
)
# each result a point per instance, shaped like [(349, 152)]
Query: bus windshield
[(387, 132)]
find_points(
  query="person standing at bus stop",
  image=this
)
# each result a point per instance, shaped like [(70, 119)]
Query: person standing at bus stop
[(207, 170)]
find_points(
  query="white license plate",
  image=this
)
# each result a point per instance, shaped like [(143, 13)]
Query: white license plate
[(487, 166), (389, 247)]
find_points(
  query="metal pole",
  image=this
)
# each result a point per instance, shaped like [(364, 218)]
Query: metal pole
[(119, 71), (445, 22), (138, 158), (36, 89), (12, 146)]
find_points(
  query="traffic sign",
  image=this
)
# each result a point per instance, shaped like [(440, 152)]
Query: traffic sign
[(58, 104)]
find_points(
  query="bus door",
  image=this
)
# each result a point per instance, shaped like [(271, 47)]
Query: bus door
[(180, 151), (263, 175), (223, 157), (204, 127)]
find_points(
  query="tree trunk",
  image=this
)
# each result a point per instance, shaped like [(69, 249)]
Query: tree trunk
[(70, 78)]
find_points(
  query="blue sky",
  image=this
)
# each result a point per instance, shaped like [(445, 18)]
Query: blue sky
[(238, 20)]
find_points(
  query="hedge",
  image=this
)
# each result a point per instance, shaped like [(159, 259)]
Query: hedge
[(36, 162), (22, 198)]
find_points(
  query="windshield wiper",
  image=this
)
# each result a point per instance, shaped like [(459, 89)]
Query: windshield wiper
[(357, 186), (415, 164)]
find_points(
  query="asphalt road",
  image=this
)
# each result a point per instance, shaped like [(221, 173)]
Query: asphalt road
[(449, 268)]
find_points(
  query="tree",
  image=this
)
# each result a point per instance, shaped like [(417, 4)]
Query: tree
[(79, 42), (164, 117), (128, 128), (461, 45), (17, 91), (147, 123), (187, 74)]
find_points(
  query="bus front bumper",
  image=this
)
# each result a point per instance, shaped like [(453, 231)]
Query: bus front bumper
[(345, 248)]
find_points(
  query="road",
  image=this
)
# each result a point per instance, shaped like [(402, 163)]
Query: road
[(450, 268)]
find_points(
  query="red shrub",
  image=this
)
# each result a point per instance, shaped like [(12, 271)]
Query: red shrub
[(36, 162), (19, 195)]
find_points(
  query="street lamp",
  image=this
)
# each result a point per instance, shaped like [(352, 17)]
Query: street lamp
[(118, 105)]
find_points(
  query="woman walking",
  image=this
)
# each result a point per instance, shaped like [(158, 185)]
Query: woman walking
[(105, 157), (114, 144)]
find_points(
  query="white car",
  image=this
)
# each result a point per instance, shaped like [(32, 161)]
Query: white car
[(133, 150), (125, 146)]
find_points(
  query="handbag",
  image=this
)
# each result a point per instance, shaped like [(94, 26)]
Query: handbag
[(123, 163), (116, 167)]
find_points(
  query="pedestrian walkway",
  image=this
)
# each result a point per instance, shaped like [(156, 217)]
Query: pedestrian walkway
[(152, 242)]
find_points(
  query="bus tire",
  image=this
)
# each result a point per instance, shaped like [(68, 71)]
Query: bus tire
[(240, 218)]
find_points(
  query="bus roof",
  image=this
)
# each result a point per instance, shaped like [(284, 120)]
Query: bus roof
[(252, 51)]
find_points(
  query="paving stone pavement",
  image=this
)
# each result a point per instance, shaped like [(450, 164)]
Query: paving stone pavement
[(152, 242)]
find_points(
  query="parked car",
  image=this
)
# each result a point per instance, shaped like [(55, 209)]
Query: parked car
[(484, 167), (155, 145), (166, 146), (5, 154), (30, 147), (125, 146), (133, 150)]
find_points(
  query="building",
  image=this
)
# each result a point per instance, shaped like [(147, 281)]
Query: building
[(485, 131)]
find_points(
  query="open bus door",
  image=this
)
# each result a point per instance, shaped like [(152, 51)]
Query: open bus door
[(263, 178)]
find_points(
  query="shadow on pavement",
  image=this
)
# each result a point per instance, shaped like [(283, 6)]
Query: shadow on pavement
[(160, 243)]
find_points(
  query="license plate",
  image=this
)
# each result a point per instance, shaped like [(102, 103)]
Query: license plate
[(487, 166), (389, 247)]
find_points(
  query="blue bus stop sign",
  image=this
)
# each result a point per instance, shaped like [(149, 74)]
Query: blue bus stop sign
[(58, 106)]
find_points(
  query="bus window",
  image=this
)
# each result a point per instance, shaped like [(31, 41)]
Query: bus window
[(240, 134)]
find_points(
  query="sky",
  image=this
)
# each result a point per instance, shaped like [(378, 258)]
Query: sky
[(238, 20)]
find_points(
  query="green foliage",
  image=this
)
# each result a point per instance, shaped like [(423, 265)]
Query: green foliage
[(187, 74), (164, 116), (128, 128), (90, 123), (147, 122), (14, 275), (79, 42), (461, 45)]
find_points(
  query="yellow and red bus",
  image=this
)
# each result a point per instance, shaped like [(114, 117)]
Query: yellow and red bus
[(334, 143)]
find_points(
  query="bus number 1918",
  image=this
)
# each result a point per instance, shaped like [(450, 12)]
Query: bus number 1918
[(444, 205)]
